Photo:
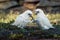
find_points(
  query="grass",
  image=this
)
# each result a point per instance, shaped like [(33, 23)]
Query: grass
[(7, 19)]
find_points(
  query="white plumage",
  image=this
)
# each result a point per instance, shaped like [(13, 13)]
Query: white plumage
[(23, 19), (42, 19)]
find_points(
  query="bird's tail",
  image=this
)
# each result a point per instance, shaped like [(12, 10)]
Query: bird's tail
[(12, 24), (51, 26)]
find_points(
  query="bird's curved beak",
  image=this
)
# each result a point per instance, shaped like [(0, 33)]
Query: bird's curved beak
[(34, 15)]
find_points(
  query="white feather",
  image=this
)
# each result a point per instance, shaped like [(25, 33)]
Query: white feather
[(23, 19), (43, 20)]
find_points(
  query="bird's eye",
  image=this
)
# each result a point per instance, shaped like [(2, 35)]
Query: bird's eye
[(29, 14), (37, 12)]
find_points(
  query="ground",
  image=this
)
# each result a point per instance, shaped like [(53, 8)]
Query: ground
[(12, 32), (8, 32)]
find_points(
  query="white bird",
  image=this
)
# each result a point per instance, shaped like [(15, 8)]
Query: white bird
[(42, 20), (23, 19)]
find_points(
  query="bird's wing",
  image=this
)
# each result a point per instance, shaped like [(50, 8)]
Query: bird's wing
[(22, 20), (45, 21), (18, 20)]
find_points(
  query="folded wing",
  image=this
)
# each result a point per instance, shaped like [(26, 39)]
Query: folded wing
[(23, 19)]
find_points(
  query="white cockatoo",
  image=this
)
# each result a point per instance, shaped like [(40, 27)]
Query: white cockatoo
[(42, 20), (23, 19)]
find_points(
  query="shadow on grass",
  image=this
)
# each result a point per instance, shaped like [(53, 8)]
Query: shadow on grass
[(8, 31)]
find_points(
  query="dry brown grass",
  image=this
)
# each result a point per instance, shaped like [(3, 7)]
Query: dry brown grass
[(7, 18)]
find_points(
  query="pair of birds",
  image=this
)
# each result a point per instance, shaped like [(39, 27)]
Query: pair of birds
[(41, 20)]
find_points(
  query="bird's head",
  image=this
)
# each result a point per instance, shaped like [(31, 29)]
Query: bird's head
[(28, 12), (37, 11)]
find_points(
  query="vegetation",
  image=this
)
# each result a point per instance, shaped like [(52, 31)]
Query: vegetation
[(7, 19)]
